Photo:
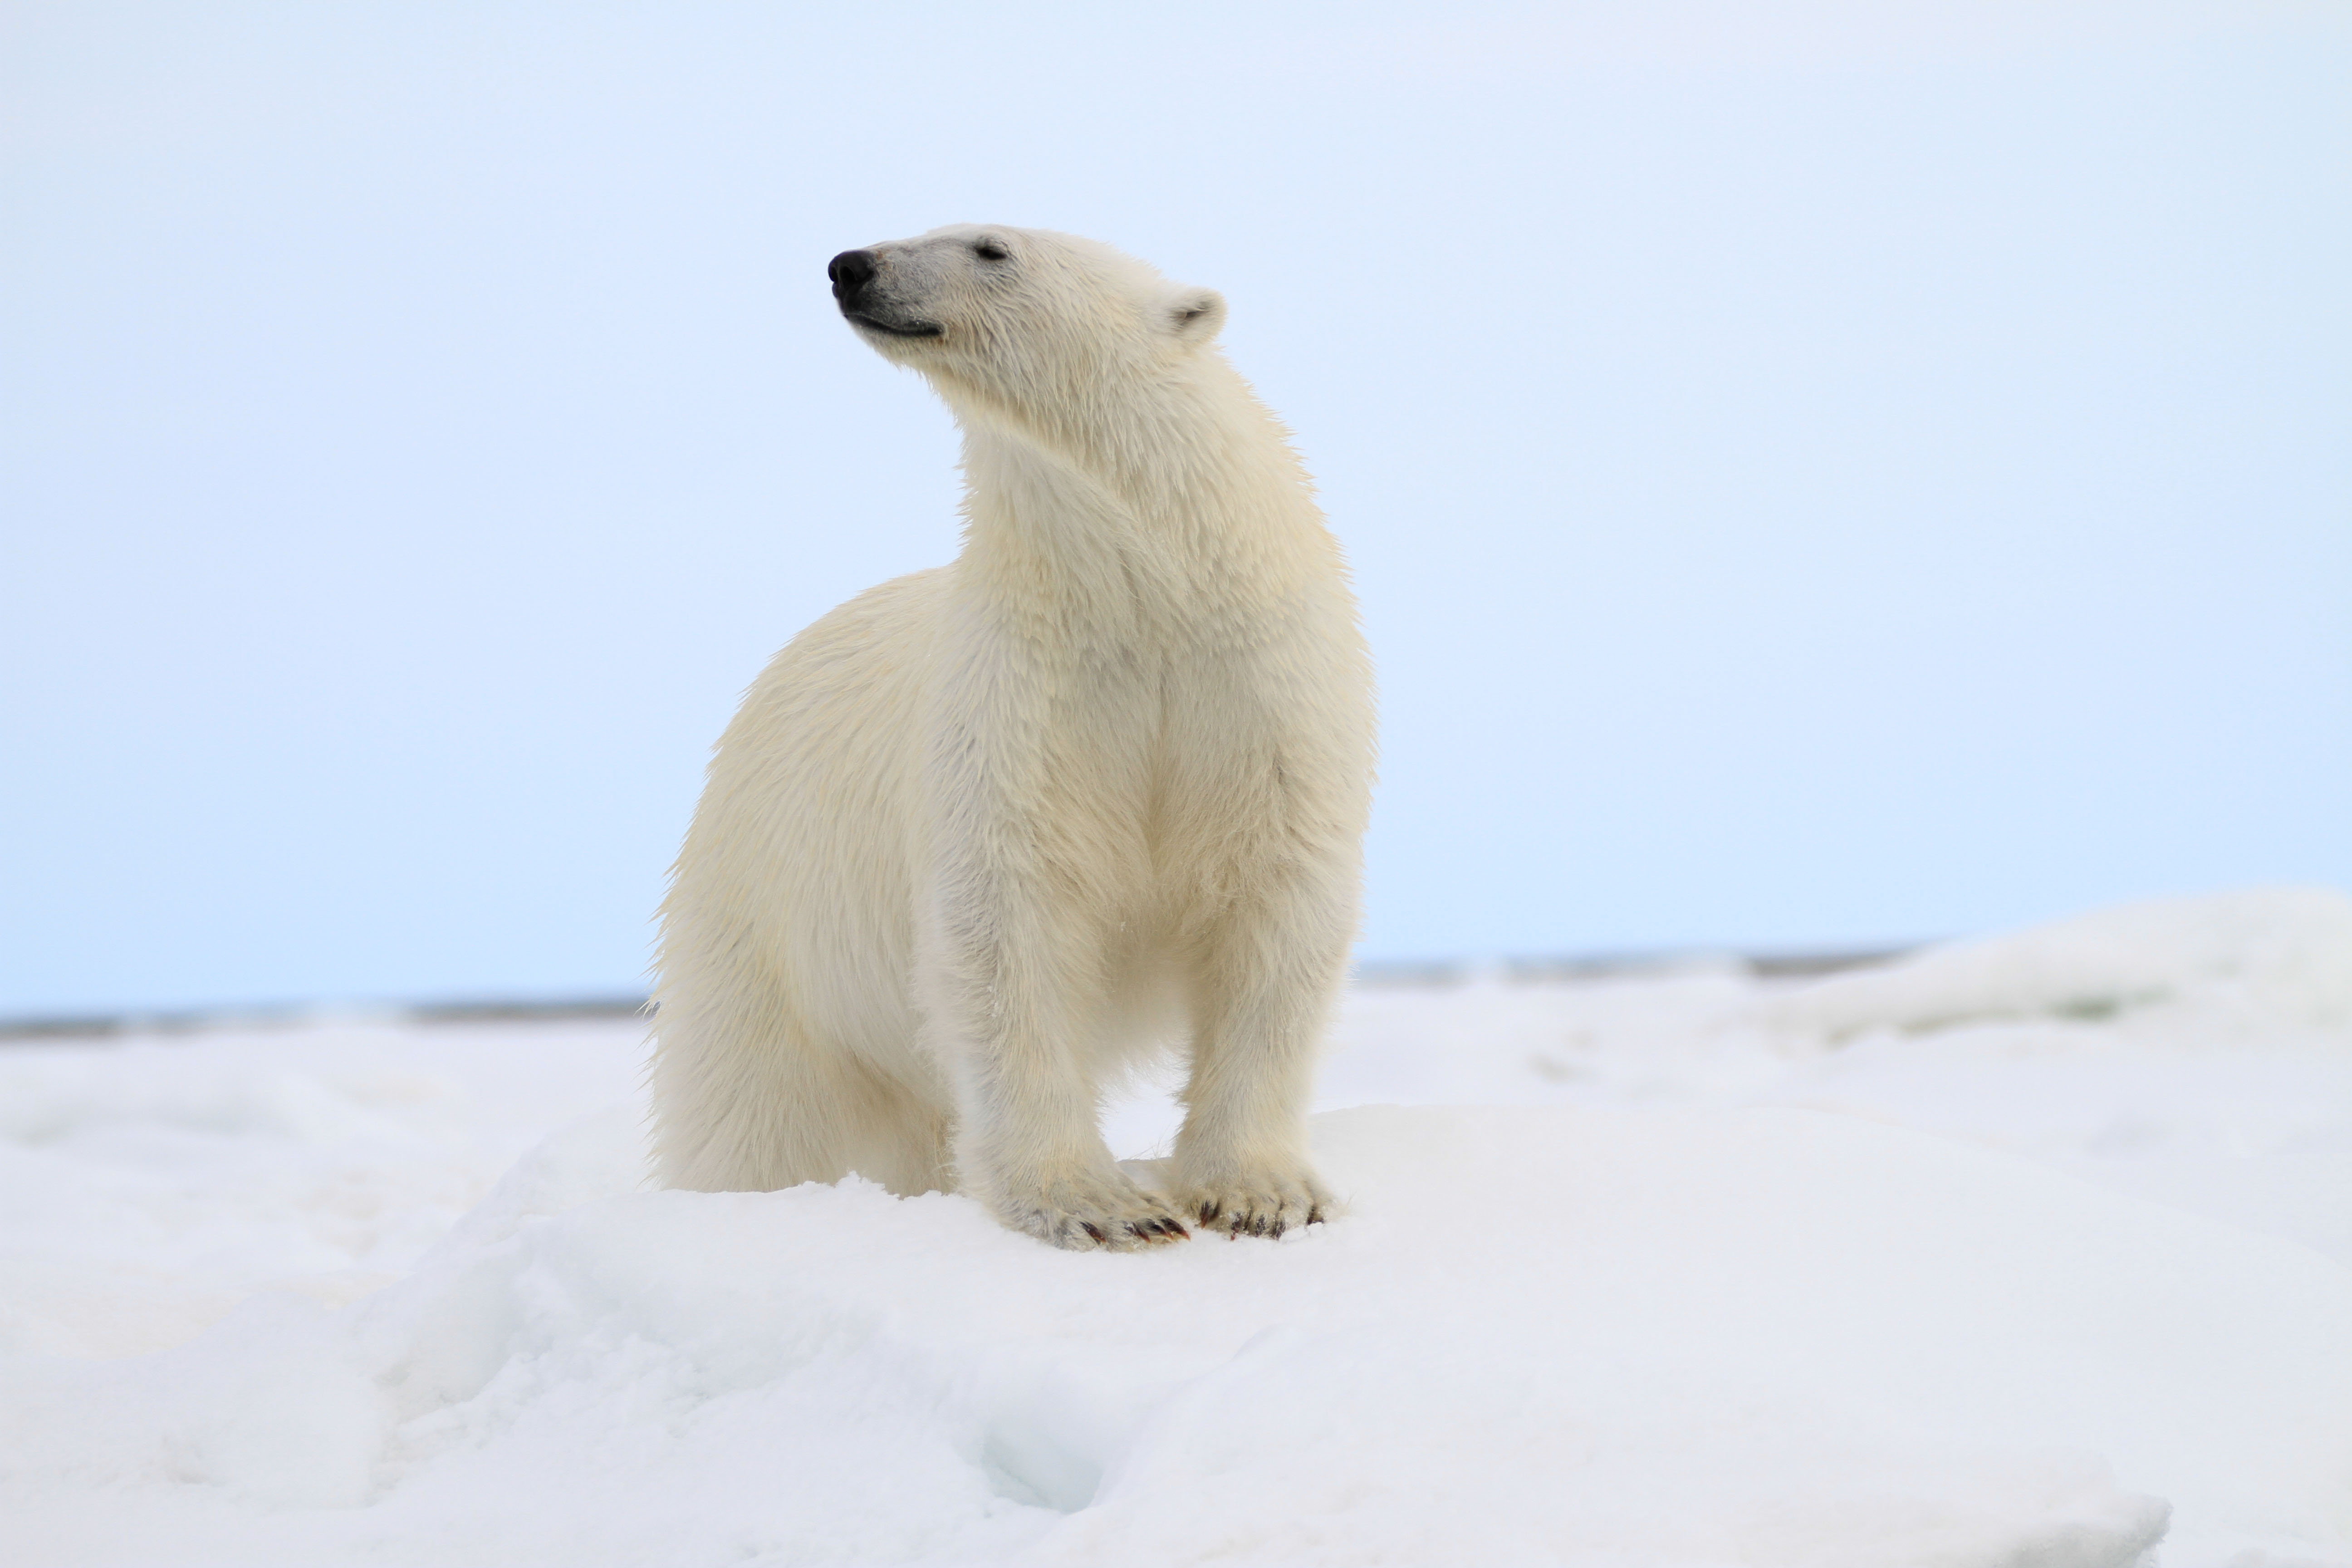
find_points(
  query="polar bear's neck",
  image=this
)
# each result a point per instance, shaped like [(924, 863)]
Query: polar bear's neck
[(1182, 498)]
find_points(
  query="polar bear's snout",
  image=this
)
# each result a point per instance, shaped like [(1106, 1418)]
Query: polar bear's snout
[(853, 273)]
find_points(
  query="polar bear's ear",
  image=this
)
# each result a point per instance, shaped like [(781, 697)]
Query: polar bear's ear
[(1194, 315)]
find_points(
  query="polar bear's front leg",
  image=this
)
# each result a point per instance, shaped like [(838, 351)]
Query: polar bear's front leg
[(1261, 998), (1002, 993)]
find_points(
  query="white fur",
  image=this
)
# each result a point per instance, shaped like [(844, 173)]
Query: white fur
[(984, 835)]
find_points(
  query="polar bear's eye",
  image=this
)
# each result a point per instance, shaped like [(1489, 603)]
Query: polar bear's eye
[(988, 250)]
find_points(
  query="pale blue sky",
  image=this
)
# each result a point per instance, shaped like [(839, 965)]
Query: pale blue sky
[(1815, 473)]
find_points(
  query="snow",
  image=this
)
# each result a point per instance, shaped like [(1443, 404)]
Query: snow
[(2026, 1251)]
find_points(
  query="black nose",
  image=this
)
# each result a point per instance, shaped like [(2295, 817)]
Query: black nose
[(850, 271)]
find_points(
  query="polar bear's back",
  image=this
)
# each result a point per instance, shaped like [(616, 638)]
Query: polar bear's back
[(793, 897)]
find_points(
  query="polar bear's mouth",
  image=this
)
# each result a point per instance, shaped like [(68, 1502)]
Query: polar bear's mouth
[(896, 329)]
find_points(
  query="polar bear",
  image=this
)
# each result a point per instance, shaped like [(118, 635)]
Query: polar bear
[(985, 836)]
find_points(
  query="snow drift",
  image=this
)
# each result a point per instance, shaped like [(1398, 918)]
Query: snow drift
[(1701, 1287)]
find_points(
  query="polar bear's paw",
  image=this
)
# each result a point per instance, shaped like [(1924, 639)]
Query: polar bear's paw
[(1092, 1212), (1265, 1203)]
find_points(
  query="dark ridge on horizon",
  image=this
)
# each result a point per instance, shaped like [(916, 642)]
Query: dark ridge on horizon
[(1437, 973)]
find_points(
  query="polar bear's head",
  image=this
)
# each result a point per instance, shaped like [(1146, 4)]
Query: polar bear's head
[(1020, 316)]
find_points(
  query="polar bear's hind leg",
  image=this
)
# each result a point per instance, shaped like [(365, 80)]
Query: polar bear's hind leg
[(748, 1104)]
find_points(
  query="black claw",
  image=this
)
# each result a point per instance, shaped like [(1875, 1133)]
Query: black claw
[(1093, 1230), (1315, 1214), (1257, 1225), (1210, 1211), (1277, 1228)]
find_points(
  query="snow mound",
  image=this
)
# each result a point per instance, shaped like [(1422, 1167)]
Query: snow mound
[(2265, 958), (148, 1187), (1766, 1337)]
